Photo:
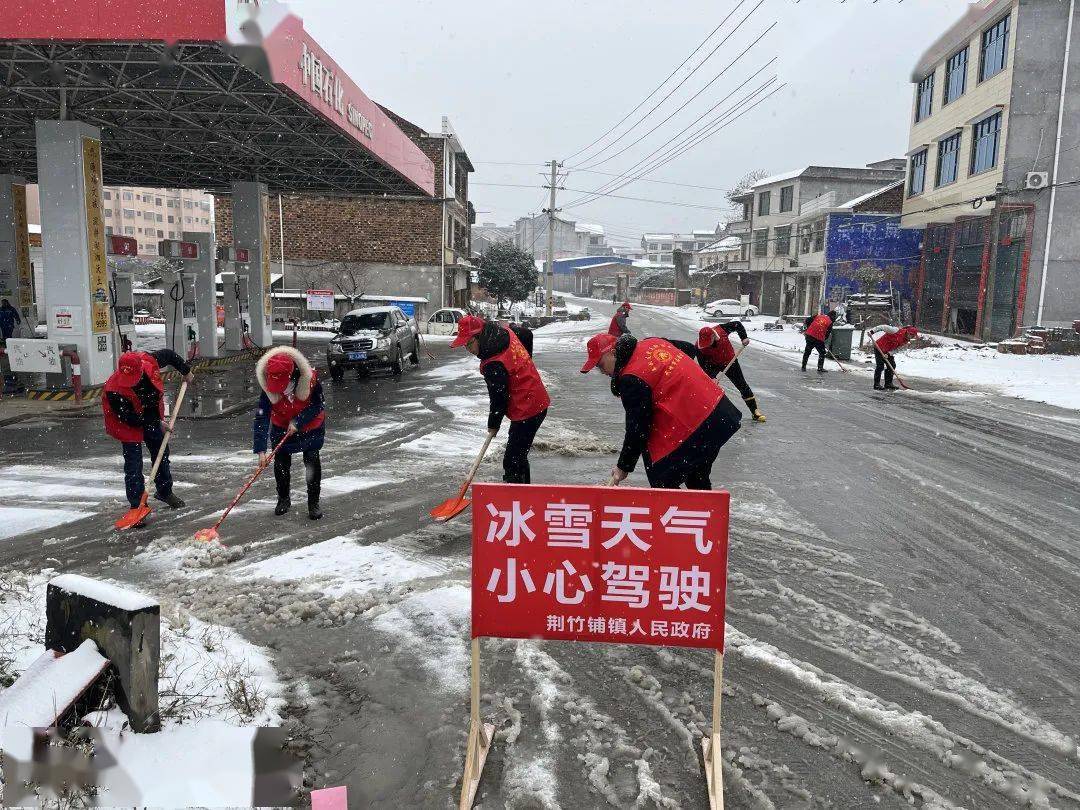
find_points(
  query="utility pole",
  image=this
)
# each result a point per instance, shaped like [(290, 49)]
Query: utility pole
[(551, 239)]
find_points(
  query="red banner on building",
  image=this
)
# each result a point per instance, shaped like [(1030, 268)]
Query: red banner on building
[(616, 564)]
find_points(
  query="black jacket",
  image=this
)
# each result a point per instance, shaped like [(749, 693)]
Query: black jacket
[(145, 391), (493, 340)]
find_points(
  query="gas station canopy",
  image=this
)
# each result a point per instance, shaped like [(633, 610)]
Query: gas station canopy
[(197, 94)]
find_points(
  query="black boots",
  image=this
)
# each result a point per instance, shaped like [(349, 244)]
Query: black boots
[(313, 510), (282, 477), (755, 411), (170, 498)]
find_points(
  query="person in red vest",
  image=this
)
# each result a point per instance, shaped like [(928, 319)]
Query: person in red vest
[(715, 353), (134, 404), (891, 338), (818, 329), (515, 390), (618, 320), (291, 404), (677, 419)]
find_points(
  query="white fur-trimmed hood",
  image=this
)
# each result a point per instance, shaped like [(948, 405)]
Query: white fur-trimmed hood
[(303, 385)]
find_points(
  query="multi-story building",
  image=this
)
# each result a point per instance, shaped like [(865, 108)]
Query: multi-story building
[(660, 247), (572, 239), (769, 278), (488, 233), (147, 214), (398, 248), (991, 172)]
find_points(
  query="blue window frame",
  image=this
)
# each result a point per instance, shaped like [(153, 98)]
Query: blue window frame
[(995, 47), (984, 143), (924, 96), (917, 174), (948, 160), (955, 76)]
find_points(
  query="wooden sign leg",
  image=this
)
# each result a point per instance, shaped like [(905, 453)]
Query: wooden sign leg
[(480, 736), (710, 746)]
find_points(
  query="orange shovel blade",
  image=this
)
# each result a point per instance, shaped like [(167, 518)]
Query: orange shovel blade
[(206, 535), (449, 508), (133, 517)]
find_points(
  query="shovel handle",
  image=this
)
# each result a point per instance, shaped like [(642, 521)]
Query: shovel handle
[(168, 434), (259, 470), (892, 368), (476, 465), (733, 359)]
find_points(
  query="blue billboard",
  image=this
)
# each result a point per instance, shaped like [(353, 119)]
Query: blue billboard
[(878, 239)]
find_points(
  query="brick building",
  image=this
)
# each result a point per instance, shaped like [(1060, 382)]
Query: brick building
[(388, 246)]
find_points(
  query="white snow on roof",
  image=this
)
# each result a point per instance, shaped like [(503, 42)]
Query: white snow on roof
[(727, 243), (589, 227), (776, 178), (871, 194), (103, 592), (705, 232), (658, 237)]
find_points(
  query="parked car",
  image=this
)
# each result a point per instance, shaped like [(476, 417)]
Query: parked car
[(730, 306), (444, 321), (374, 337)]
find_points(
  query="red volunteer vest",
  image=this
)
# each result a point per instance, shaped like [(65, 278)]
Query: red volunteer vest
[(613, 327), (721, 352), (891, 342), (528, 396), (285, 410), (682, 395), (818, 327), (113, 426)]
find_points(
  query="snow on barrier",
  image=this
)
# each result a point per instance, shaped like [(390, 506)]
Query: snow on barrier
[(125, 626), (50, 686), (611, 564)]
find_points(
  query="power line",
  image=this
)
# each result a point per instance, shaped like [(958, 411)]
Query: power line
[(659, 86), (690, 100), (645, 199), (686, 144)]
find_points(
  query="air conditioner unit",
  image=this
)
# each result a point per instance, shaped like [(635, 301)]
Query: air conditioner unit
[(1036, 180)]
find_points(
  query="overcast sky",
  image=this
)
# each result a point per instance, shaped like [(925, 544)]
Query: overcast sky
[(528, 82)]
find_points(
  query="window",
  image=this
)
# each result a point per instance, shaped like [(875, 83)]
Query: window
[(763, 202), (187, 203), (819, 236), (984, 143), (995, 41), (129, 213), (160, 234), (108, 230), (787, 198), (783, 235), (924, 97), (805, 238), (158, 217), (187, 220), (665, 246), (157, 201), (138, 196), (205, 206), (127, 195), (168, 203), (172, 234), (138, 230), (148, 215), (108, 212), (948, 160), (761, 241), (955, 76), (129, 230), (171, 219), (917, 174), (107, 194)]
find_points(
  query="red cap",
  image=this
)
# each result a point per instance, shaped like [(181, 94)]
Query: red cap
[(706, 337), (626, 306), (129, 369), (279, 369), (468, 327), (598, 346), (911, 331)]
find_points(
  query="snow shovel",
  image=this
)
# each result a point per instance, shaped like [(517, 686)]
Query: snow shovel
[(843, 368), (137, 515), (455, 506), (731, 362), (211, 534)]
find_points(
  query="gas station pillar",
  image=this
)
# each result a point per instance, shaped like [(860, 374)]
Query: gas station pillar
[(205, 291), (73, 243), (249, 201), (16, 274)]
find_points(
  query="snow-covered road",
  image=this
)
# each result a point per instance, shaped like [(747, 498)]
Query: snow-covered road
[(902, 602)]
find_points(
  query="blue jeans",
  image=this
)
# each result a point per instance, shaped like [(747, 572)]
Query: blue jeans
[(153, 436)]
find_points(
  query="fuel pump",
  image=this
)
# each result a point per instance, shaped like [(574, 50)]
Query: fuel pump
[(233, 262), (122, 290), (178, 282)]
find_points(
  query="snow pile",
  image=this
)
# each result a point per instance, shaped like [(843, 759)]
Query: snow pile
[(209, 555)]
